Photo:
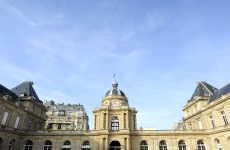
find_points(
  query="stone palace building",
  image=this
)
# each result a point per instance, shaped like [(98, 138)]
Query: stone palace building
[(24, 124)]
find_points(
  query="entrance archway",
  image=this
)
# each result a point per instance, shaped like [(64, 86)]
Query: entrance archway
[(115, 145)]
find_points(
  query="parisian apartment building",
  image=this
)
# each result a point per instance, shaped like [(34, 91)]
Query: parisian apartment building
[(65, 117)]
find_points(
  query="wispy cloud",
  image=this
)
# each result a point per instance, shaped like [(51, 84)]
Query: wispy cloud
[(153, 21), (39, 21)]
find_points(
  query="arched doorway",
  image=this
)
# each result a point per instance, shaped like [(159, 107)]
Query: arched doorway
[(115, 145)]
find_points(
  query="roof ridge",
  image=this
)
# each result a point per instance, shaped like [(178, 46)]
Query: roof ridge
[(206, 88)]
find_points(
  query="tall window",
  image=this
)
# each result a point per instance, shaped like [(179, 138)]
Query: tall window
[(181, 145), (212, 121), (53, 113), (59, 126), (29, 124), (162, 145), (78, 120), (50, 126), (134, 122), (4, 118), (61, 113), (218, 144), (28, 145), (85, 145), (200, 145), (200, 125), (66, 145), (143, 145), (47, 145), (114, 123), (224, 117), (16, 122), (11, 144)]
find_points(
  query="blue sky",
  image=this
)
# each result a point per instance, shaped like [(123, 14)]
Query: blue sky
[(158, 50)]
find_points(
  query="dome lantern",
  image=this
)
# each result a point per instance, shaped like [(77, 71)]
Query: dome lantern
[(115, 90)]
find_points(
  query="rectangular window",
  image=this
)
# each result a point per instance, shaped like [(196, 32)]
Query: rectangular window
[(190, 126), (79, 120), (212, 121), (78, 126), (69, 119), (67, 127), (200, 124), (60, 119), (52, 119), (61, 113), (224, 118), (16, 122), (70, 113), (53, 113), (4, 118)]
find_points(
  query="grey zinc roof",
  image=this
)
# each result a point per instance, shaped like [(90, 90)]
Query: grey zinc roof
[(203, 89), (115, 90), (26, 88), (5, 91), (218, 93)]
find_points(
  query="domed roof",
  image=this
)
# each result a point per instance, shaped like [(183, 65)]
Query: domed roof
[(115, 90)]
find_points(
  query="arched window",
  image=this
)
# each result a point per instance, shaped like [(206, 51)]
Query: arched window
[(85, 145), (28, 145), (47, 145), (66, 145), (11, 145), (114, 123), (200, 145), (181, 145), (162, 145), (50, 126), (143, 145), (219, 147)]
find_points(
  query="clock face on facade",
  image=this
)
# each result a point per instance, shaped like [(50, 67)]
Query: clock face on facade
[(114, 103)]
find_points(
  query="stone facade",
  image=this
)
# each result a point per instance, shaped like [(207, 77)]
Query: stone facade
[(115, 127)]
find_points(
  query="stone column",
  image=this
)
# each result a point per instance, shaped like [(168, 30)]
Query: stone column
[(128, 124), (128, 143), (107, 119), (122, 122)]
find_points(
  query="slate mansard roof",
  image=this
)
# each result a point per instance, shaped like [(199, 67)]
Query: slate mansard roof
[(205, 89), (27, 89), (218, 93), (115, 90), (5, 91)]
